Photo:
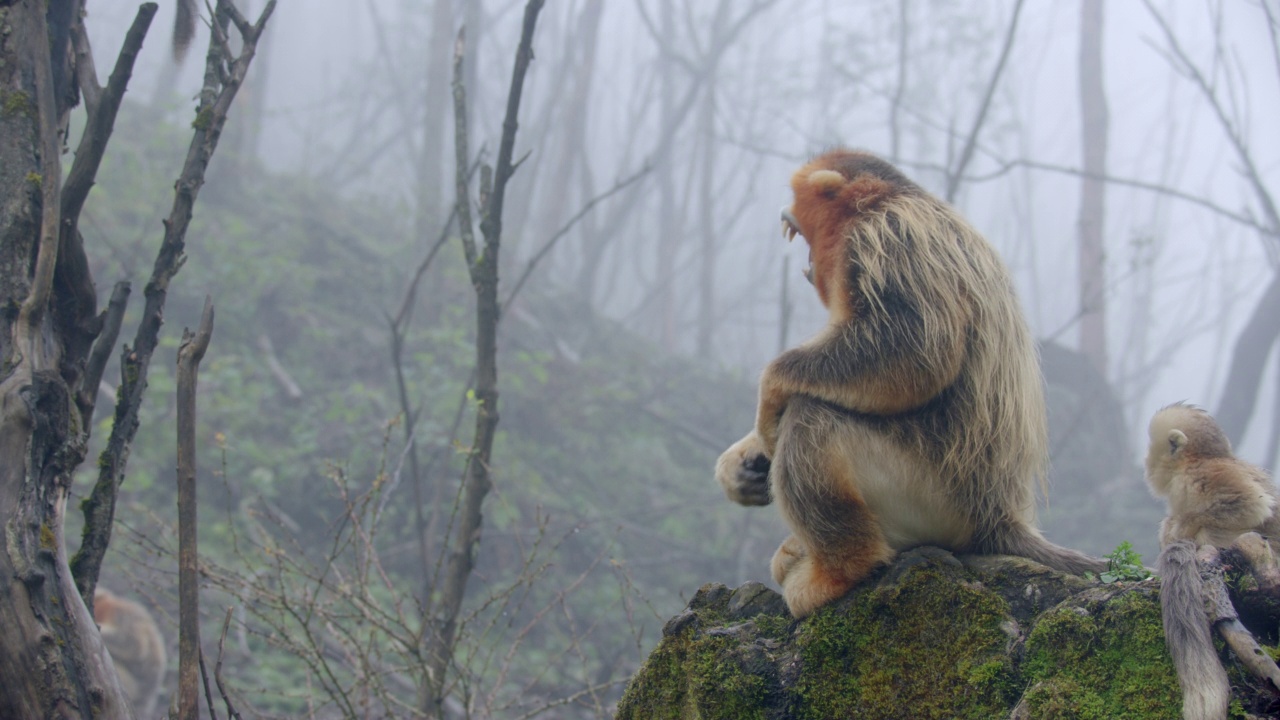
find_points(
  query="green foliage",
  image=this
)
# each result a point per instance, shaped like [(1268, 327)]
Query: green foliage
[(1123, 565)]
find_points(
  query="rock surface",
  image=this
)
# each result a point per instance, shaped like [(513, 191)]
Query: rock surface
[(932, 636)]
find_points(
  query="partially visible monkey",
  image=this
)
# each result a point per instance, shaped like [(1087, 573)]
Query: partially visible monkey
[(917, 415), (136, 647), (184, 28), (1213, 498)]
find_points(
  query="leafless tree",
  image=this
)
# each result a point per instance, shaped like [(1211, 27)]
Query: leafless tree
[(52, 661)]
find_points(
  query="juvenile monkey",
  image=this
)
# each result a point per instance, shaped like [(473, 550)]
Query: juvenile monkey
[(1213, 498), (136, 647), (917, 415)]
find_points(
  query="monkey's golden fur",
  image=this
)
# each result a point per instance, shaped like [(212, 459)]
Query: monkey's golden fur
[(136, 648), (1213, 497), (917, 415)]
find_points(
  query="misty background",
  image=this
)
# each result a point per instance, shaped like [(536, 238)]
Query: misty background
[(660, 136)]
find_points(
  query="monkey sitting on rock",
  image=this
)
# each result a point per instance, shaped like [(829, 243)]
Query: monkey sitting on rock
[(1214, 498), (916, 417)]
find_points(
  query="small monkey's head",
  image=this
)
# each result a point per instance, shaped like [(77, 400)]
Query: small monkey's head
[(832, 192), (1179, 433)]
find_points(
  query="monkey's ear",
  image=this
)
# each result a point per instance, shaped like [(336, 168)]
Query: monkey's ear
[(826, 181), (1177, 441)]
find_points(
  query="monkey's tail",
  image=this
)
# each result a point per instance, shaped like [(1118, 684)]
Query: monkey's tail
[(184, 28), (1206, 692), (1027, 542)]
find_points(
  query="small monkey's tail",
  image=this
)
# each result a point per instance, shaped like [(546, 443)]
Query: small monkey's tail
[(1206, 692), (1027, 542)]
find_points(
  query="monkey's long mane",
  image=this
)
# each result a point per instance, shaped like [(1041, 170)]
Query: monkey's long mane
[(992, 441)]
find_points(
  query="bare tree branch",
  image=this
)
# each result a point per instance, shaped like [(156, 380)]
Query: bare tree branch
[(954, 175), (1229, 127), (112, 319), (101, 122), (224, 74), (484, 277), (551, 242)]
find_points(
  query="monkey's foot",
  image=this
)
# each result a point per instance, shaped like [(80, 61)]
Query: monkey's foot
[(743, 472), (790, 552), (809, 587), (811, 582)]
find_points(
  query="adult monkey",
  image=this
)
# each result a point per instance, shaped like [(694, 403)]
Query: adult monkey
[(916, 417)]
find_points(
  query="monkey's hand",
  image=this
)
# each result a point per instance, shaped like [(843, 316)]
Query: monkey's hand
[(743, 472)]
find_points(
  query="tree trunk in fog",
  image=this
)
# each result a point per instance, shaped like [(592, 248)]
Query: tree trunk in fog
[(52, 661), (1090, 222), (1248, 360), (710, 236), (669, 224), (569, 148), (436, 106)]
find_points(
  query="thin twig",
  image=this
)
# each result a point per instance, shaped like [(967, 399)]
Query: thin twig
[(551, 242), (217, 669), (954, 176)]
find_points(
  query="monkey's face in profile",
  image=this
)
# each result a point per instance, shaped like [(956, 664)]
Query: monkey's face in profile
[(832, 193)]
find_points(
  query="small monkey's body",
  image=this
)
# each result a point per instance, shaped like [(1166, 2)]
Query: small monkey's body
[(917, 415), (1213, 498)]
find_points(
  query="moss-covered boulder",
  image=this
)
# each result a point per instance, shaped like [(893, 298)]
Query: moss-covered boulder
[(932, 636)]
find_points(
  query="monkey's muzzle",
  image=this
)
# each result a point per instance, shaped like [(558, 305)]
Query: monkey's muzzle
[(791, 230)]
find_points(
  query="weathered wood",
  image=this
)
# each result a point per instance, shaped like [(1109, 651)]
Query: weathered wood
[(190, 353)]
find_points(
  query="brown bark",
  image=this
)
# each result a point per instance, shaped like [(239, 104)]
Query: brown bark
[(190, 353), (52, 661)]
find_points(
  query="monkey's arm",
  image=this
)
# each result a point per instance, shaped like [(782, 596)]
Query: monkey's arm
[(882, 363)]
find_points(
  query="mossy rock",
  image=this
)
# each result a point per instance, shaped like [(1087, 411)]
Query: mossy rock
[(932, 636)]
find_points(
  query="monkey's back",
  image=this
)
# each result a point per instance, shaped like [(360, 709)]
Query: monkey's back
[(987, 432)]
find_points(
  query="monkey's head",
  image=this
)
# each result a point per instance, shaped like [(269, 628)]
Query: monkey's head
[(832, 192), (1182, 432)]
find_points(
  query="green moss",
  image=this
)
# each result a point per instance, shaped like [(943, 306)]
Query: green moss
[(1089, 660), (902, 647), (14, 103), (204, 119), (691, 675), (35, 179), (48, 541)]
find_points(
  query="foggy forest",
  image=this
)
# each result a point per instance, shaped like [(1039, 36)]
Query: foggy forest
[(372, 541)]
